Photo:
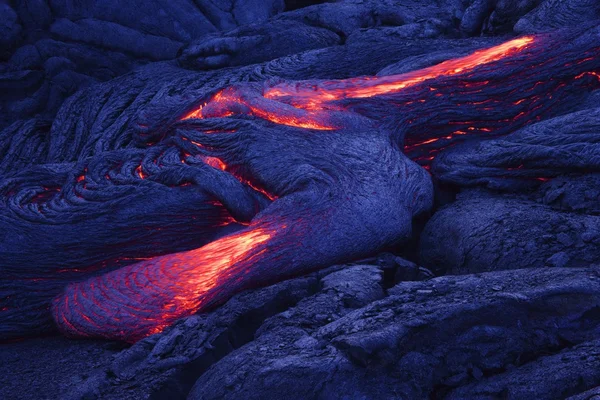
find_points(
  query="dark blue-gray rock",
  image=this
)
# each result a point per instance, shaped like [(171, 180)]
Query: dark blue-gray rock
[(487, 232), (552, 14), (564, 144), (559, 375), (427, 339), (579, 193), (591, 394), (105, 40), (168, 364), (10, 30), (254, 44), (45, 368), (110, 35)]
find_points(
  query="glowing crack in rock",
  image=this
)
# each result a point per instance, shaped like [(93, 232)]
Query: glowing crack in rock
[(314, 97)]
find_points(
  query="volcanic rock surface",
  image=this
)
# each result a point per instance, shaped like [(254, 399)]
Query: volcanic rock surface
[(492, 292)]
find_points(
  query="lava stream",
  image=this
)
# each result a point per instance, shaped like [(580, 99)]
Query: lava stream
[(143, 298), (306, 100), (312, 96)]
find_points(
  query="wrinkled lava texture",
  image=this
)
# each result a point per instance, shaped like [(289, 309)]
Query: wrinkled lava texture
[(152, 170), (316, 195)]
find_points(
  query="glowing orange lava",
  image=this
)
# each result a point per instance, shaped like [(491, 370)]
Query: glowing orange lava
[(228, 102), (143, 298), (197, 271), (215, 163), (153, 294), (140, 172), (313, 97), (305, 101)]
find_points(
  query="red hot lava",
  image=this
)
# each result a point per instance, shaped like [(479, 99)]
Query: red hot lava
[(155, 293), (308, 100)]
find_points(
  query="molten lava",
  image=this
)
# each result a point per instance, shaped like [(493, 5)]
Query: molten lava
[(312, 97), (144, 298), (308, 100), (228, 102)]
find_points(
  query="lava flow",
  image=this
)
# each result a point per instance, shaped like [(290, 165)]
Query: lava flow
[(143, 298), (493, 91), (315, 97), (308, 100), (232, 101)]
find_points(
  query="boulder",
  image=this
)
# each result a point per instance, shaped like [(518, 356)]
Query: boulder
[(486, 232)]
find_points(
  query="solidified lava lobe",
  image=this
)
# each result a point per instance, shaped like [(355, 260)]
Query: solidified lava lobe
[(144, 298)]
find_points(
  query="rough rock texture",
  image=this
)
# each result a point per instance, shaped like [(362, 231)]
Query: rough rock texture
[(51, 49), (579, 193), (169, 365), (552, 14), (345, 332), (536, 153), (501, 232), (124, 150), (425, 339), (559, 375), (317, 336), (587, 395), (47, 367)]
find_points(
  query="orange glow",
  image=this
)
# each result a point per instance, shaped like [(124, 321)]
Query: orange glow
[(308, 99), (155, 293), (81, 177), (194, 114), (370, 86), (198, 271), (226, 103), (270, 196), (297, 121), (197, 144), (588, 73), (215, 163), (140, 172), (143, 298)]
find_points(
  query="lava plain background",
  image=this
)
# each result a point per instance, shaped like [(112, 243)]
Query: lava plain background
[(527, 328)]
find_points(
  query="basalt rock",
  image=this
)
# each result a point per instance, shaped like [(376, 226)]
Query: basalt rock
[(501, 232), (169, 364), (552, 376), (577, 193), (98, 42), (450, 337), (552, 14), (535, 154), (340, 332)]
